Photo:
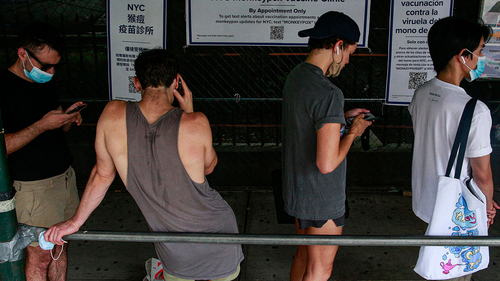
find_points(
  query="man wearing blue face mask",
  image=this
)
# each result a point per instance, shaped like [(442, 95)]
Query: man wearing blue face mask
[(455, 46), (39, 157)]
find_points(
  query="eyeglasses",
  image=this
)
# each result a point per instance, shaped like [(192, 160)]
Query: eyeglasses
[(45, 66)]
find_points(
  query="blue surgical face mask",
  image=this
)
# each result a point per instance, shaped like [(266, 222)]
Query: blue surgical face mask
[(475, 73), (45, 245), (36, 74)]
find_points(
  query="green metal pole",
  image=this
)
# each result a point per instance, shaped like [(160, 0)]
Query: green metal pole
[(9, 271)]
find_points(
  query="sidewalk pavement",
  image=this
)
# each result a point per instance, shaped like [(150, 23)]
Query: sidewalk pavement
[(374, 211)]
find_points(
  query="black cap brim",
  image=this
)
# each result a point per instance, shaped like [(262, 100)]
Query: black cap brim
[(313, 33)]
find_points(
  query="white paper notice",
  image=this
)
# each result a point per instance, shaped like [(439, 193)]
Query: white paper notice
[(265, 22), (133, 26), (409, 63)]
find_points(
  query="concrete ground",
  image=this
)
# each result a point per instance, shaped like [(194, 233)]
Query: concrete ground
[(374, 211)]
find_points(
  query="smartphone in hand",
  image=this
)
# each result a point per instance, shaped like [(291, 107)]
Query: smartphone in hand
[(179, 87), (76, 109), (368, 117)]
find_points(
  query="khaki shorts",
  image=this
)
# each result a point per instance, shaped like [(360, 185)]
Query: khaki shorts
[(233, 276), (43, 203)]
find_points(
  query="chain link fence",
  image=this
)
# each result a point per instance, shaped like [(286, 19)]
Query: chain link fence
[(238, 88)]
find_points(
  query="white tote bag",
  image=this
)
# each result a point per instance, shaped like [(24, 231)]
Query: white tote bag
[(460, 210)]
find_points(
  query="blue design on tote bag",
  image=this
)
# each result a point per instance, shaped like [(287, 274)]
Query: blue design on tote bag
[(465, 224)]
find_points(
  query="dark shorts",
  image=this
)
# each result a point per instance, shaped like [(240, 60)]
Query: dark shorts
[(319, 223)]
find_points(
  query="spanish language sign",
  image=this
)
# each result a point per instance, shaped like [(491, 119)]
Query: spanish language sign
[(409, 63), (133, 26), (265, 22), (491, 16)]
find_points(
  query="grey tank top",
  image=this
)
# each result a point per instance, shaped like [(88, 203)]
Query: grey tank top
[(171, 202)]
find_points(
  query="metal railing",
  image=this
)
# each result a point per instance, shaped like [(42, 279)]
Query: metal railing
[(270, 239)]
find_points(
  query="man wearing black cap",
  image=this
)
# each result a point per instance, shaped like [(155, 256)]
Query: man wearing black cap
[(315, 143)]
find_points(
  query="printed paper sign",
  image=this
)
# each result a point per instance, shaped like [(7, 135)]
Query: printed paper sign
[(133, 26), (410, 64), (491, 17), (265, 22)]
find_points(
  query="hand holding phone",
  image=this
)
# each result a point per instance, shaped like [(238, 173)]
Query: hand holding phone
[(368, 117), (185, 98), (179, 90), (76, 109), (179, 86)]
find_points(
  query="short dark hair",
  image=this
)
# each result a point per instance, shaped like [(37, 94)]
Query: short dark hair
[(449, 36), (39, 35), (327, 43), (156, 67)]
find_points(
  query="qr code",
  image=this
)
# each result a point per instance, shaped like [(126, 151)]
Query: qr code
[(417, 79), (277, 32), (131, 86)]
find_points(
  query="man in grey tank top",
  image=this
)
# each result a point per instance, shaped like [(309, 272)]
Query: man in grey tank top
[(162, 154)]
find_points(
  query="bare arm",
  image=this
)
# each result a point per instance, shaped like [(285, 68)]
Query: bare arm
[(331, 150), (16, 141), (186, 104), (210, 154), (481, 169), (100, 179), (52, 120), (211, 166)]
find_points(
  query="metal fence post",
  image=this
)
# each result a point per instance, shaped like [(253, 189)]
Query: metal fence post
[(8, 220)]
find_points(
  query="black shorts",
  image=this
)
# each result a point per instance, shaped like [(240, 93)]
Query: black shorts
[(319, 223)]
